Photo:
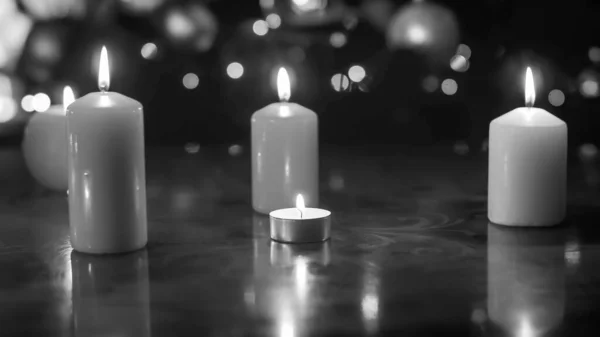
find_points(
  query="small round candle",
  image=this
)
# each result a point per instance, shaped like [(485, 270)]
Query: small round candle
[(300, 224), (107, 182), (527, 166), (284, 153)]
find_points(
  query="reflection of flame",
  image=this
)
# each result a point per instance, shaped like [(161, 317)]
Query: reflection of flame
[(525, 329), (529, 88), (68, 97), (103, 71), (283, 85)]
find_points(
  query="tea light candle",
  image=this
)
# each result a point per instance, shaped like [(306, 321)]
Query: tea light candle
[(527, 166), (300, 224), (284, 153), (45, 145), (107, 183)]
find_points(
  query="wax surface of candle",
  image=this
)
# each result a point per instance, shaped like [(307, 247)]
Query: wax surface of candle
[(527, 168), (284, 156), (295, 214), (107, 183)]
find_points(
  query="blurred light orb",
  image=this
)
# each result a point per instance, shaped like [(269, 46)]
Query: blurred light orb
[(430, 83), (350, 22), (235, 70), (8, 109), (45, 46), (274, 20), (235, 150), (485, 145), (267, 4), (141, 6), (304, 6), (192, 147), (459, 63), (461, 148), (190, 81), (179, 25), (425, 27), (260, 27), (340, 82), (149, 51), (336, 182), (589, 88), (338, 39), (464, 50), (41, 102), (357, 73), (27, 103), (53, 9), (556, 97), (449, 87), (594, 54), (588, 151)]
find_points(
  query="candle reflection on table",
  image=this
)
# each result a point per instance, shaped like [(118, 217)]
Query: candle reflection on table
[(111, 295), (284, 286), (526, 279)]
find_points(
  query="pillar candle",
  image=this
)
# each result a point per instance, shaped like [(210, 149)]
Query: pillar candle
[(284, 153), (45, 145), (107, 185), (527, 166)]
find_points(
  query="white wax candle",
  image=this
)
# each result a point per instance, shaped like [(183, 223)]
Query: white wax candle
[(527, 166), (45, 145), (107, 184), (284, 153), (296, 214)]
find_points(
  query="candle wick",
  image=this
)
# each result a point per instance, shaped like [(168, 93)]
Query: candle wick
[(301, 215), (529, 105)]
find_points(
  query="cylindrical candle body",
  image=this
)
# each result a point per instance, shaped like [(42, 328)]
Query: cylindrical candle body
[(527, 168), (107, 183), (284, 157), (526, 279), (111, 295), (45, 148)]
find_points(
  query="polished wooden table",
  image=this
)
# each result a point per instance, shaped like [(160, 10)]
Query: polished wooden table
[(412, 254)]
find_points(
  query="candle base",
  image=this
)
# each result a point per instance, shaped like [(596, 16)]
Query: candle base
[(518, 223), (111, 251), (300, 230)]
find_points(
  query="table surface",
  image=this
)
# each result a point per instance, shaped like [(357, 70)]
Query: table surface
[(412, 254)]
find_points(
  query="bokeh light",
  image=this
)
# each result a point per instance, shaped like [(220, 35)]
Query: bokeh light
[(449, 87), (417, 34), (235, 70), (27, 103), (15, 28), (192, 147), (260, 27), (336, 181), (149, 51), (235, 150), (556, 97), (338, 39), (430, 83), (41, 102), (45, 46), (304, 6), (274, 20), (589, 88), (588, 151), (190, 81), (340, 82), (140, 6), (8, 109), (594, 54), (464, 50), (357, 73), (461, 148), (459, 63), (179, 25), (53, 9)]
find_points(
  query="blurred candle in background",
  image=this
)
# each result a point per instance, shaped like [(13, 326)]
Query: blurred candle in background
[(527, 166), (45, 145), (107, 184), (284, 153)]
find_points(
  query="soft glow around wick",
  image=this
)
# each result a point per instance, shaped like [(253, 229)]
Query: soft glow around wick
[(529, 88), (300, 202), (68, 97), (260, 27), (283, 86), (235, 70), (103, 71)]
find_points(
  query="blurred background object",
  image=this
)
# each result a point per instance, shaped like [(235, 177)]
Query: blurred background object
[(376, 71)]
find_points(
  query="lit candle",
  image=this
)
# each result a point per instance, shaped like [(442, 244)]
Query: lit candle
[(45, 145), (107, 184), (300, 224), (527, 166), (284, 153)]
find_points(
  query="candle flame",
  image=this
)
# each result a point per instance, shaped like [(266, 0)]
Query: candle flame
[(103, 71), (283, 85), (68, 97), (529, 88), (300, 202)]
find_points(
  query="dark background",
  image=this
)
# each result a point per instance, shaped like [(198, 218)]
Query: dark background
[(390, 106)]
